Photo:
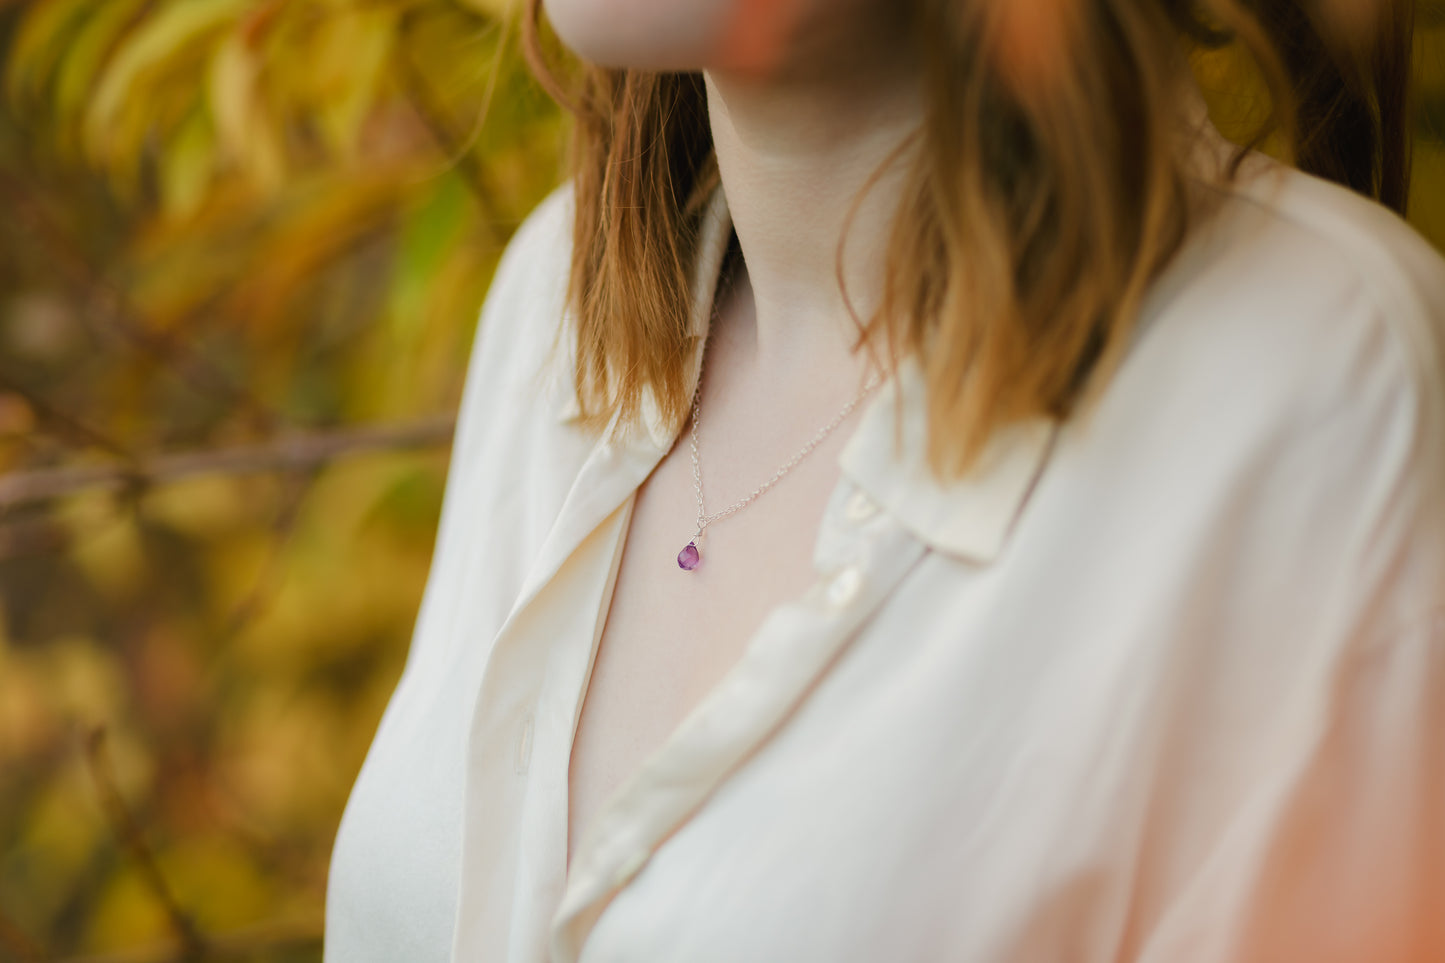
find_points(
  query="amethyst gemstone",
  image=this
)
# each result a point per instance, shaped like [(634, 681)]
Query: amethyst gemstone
[(688, 558)]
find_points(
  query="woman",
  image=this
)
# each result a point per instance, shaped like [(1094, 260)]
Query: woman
[(1068, 579)]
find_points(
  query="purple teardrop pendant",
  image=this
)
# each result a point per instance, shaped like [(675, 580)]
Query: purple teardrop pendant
[(688, 558)]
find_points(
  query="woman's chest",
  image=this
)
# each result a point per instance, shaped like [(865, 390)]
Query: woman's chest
[(668, 634)]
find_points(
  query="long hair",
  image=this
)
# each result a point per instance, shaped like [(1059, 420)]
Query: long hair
[(1034, 216)]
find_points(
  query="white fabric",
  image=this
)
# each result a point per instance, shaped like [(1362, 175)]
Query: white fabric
[(1165, 685)]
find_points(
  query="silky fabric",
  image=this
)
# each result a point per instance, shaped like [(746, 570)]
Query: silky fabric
[(1165, 683)]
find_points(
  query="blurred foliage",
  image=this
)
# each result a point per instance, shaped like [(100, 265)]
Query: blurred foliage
[(239, 228), (1234, 90), (224, 222)]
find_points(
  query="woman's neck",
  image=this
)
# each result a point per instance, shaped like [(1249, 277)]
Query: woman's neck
[(794, 152)]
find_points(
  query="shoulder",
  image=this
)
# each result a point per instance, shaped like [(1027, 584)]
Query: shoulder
[(1292, 356), (1303, 295), (543, 241), (530, 284), (526, 301), (1317, 259), (524, 310), (1325, 234)]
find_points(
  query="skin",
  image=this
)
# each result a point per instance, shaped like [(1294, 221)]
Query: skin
[(807, 98)]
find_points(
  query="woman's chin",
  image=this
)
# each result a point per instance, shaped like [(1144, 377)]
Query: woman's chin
[(745, 37), (640, 34)]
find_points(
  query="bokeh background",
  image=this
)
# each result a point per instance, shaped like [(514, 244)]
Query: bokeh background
[(243, 244)]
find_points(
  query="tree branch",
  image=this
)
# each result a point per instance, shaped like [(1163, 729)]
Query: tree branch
[(298, 452), (128, 834)]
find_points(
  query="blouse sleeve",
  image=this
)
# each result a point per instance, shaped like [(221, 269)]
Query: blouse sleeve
[(1338, 856), (1342, 859)]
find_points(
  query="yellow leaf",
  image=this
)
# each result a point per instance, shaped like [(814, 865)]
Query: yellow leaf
[(84, 681), (220, 882), (240, 116), (26, 722), (205, 507), (127, 914), (168, 34), (348, 60), (61, 829), (85, 57), (110, 553)]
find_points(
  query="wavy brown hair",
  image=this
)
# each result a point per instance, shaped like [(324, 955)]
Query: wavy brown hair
[(1035, 215)]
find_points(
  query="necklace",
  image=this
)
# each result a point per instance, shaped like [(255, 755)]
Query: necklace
[(689, 558)]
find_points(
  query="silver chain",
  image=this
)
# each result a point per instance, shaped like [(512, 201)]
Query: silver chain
[(703, 518)]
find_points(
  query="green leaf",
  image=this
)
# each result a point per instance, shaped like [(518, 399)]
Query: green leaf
[(186, 166)]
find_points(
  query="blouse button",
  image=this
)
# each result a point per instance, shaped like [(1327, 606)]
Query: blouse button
[(859, 507), (843, 586)]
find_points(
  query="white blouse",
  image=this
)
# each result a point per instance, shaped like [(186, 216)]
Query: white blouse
[(1163, 685)]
